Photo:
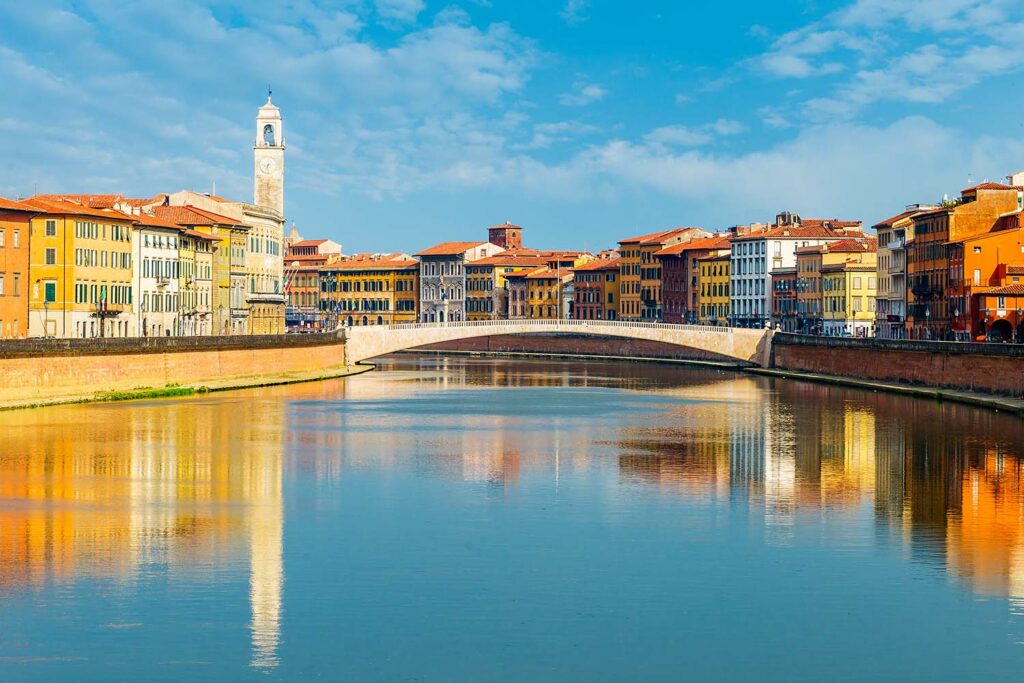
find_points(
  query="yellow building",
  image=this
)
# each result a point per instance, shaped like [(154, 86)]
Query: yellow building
[(810, 261), (229, 310), (640, 272), (80, 271), (549, 293), (370, 289), (195, 283), (487, 295), (848, 292), (713, 275)]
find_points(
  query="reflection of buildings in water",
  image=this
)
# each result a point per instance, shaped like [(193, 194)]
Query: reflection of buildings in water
[(986, 538), (106, 491)]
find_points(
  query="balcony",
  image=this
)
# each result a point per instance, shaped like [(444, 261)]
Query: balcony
[(162, 281)]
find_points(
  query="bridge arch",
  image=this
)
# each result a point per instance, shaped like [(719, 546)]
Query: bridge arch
[(749, 346)]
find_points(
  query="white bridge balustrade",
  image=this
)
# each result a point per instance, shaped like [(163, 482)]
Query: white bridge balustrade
[(748, 346)]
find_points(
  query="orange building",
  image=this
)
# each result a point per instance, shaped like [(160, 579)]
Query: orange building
[(546, 293), (679, 272), (596, 290), (976, 264), (979, 209), (14, 259), (640, 272)]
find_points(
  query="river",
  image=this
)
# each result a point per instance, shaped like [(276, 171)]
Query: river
[(452, 519)]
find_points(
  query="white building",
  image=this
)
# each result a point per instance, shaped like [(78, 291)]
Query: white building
[(766, 249), (156, 277), (443, 278), (891, 298)]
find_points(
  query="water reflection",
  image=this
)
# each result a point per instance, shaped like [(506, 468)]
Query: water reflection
[(196, 489), (117, 492)]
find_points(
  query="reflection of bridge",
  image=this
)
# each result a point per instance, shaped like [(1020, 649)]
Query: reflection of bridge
[(730, 343)]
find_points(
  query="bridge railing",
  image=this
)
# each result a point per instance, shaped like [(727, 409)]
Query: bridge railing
[(558, 324)]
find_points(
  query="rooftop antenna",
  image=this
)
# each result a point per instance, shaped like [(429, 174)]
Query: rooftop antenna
[(214, 191), (269, 92)]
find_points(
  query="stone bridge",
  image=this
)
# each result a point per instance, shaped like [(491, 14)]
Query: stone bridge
[(745, 346)]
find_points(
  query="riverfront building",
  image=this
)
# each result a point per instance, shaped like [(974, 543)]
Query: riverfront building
[(784, 300), (549, 293), (81, 270), (15, 233), (891, 298), (229, 238), (849, 299), (596, 290), (369, 289), (714, 280), (443, 278), (679, 274), (931, 310), (195, 283), (487, 294), (810, 264), (640, 276), (762, 251), (157, 276)]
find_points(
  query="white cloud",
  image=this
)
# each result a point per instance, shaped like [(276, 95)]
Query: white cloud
[(684, 136), (399, 10), (583, 94), (575, 11)]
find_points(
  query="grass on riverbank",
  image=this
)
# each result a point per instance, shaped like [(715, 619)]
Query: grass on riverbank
[(169, 391)]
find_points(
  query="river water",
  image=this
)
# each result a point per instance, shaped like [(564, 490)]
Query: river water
[(449, 519)]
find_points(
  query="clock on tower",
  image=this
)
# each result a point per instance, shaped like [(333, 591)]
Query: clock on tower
[(268, 157)]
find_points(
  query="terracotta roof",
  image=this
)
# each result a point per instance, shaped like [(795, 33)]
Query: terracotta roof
[(720, 257), (600, 264), (190, 215), (657, 237), (94, 201), (309, 243), (806, 230), (849, 265), (9, 205), (511, 259), (449, 248), (1008, 289), (373, 262), (860, 244), (1014, 269), (988, 186), (547, 273), (506, 225), (199, 235), (140, 202), (895, 219), (147, 220), (709, 243), (58, 207)]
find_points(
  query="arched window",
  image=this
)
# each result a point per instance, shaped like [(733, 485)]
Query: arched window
[(268, 135)]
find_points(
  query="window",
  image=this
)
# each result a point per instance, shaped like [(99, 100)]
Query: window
[(51, 257), (51, 228), (1001, 302), (50, 291)]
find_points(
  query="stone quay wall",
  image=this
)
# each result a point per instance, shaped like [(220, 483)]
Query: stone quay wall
[(47, 369), (984, 368)]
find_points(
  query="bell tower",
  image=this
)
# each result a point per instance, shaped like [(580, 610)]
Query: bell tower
[(268, 158)]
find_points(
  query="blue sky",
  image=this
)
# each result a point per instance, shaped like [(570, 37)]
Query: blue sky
[(413, 121)]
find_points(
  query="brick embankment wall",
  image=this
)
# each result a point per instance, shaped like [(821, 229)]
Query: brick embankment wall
[(41, 369), (572, 345), (986, 368)]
